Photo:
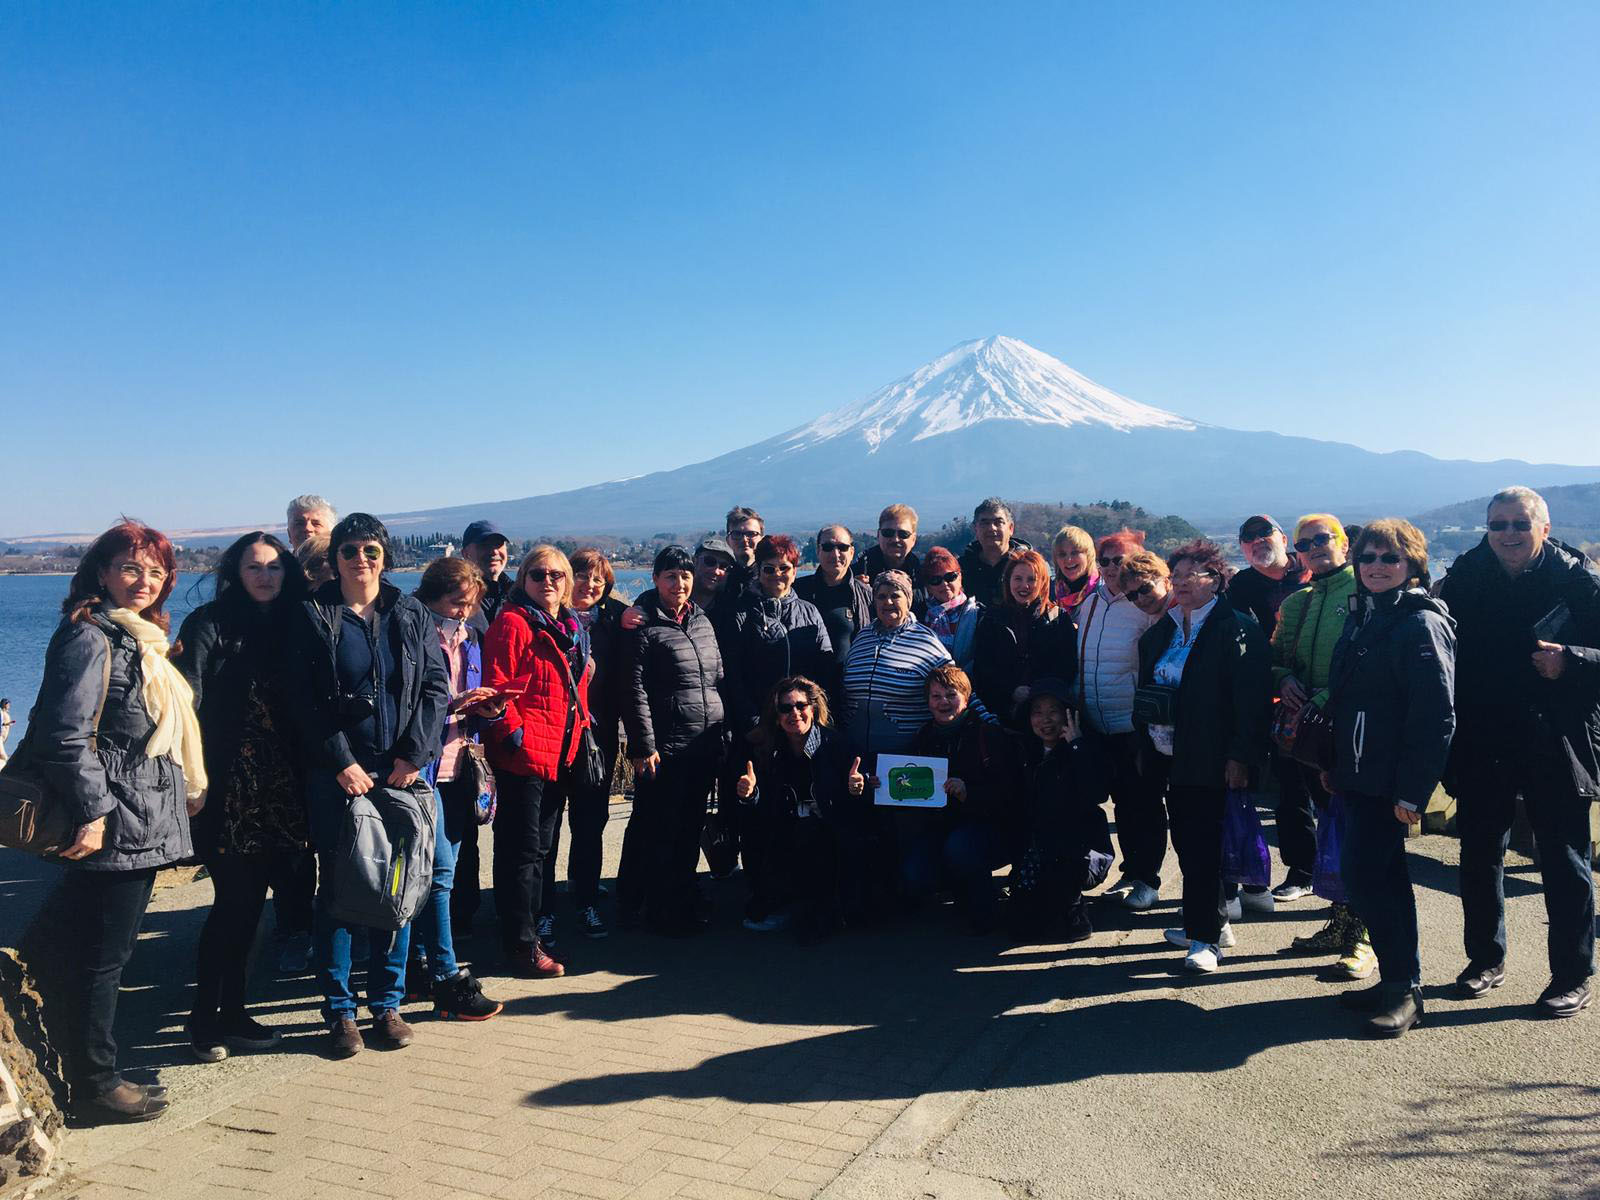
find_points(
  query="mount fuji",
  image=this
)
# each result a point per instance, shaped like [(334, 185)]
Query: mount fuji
[(997, 417)]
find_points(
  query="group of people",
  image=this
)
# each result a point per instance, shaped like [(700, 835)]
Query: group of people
[(765, 709)]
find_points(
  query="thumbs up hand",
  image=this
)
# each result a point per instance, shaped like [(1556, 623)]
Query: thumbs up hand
[(856, 781), (745, 785)]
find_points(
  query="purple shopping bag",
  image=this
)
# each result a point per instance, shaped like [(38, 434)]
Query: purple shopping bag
[(1245, 858), (1326, 881)]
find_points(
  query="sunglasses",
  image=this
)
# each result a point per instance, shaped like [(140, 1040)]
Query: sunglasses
[(895, 535), (1141, 592), (1371, 556), (1114, 561), (795, 707), (1310, 543), (1521, 525), (835, 547), (951, 577), (777, 568), (541, 574), (370, 553), (1252, 539)]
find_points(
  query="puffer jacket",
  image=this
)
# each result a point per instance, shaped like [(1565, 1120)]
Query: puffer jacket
[(770, 640), (886, 685), (1503, 706), (672, 681), (1109, 629), (978, 579), (1015, 648), (1309, 624), (106, 774), (538, 733), (1392, 697)]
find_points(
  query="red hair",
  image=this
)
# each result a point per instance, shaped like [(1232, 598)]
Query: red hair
[(778, 545), (1033, 560), (1121, 544), (125, 538)]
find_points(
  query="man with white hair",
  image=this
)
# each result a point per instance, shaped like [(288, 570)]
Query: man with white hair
[(310, 516), (1527, 612)]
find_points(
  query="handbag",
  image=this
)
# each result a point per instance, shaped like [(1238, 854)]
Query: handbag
[(590, 770), (477, 778), (1155, 704), (33, 817), (1309, 738), (719, 840)]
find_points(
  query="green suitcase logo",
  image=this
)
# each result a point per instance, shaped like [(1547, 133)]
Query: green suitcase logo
[(910, 783)]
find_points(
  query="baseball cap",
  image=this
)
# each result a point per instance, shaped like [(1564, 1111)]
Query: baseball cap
[(482, 531), (1258, 526), (717, 544)]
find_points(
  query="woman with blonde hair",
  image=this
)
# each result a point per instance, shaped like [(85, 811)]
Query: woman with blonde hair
[(537, 653), (1023, 637), (1077, 570)]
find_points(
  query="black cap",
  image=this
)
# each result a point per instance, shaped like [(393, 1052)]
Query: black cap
[(1258, 526), (718, 544), (1049, 686), (482, 531)]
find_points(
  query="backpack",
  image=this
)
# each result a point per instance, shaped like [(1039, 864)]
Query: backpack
[(383, 868)]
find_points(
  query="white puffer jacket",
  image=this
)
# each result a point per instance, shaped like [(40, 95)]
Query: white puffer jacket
[(1109, 628)]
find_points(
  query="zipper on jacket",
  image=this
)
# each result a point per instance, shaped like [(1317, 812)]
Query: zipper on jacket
[(1358, 737)]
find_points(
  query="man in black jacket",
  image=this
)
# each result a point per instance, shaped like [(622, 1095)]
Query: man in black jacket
[(897, 534), (485, 547), (1527, 613), (982, 562)]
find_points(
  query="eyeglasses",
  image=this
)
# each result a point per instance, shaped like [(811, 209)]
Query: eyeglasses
[(350, 552), (895, 535), (541, 574), (1144, 590), (133, 572), (777, 568), (795, 707), (835, 547), (1192, 575), (1521, 525), (1389, 560), (748, 535), (951, 577), (1320, 539)]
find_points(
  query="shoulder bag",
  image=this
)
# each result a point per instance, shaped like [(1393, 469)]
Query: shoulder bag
[(590, 770)]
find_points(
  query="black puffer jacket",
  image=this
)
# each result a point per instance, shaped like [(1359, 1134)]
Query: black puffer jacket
[(1501, 702), (106, 775), (420, 688), (770, 640), (672, 681), (1014, 648), (978, 579), (1221, 711), (1391, 697)]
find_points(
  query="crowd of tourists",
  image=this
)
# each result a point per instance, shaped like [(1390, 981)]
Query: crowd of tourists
[(761, 712)]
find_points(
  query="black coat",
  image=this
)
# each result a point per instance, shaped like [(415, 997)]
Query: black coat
[(1502, 703), (605, 646), (420, 688), (988, 759), (1015, 649), (978, 579), (1221, 712), (770, 640), (842, 621), (1260, 595), (1391, 697), (1061, 801), (232, 655), (869, 565), (106, 774), (784, 779), (672, 681)]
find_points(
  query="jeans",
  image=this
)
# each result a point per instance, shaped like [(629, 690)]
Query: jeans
[(966, 855), (1485, 805), (105, 911), (1372, 861), (1136, 799), (431, 932), (529, 811), (239, 884), (1196, 817), (661, 847)]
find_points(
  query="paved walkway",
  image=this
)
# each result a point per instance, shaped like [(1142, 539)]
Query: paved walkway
[(909, 1060)]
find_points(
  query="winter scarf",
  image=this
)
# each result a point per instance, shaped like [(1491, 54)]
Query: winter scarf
[(169, 700)]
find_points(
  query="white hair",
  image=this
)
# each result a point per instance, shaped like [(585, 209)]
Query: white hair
[(1526, 496), (310, 503)]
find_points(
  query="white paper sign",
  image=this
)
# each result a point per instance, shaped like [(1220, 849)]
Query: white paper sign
[(907, 781)]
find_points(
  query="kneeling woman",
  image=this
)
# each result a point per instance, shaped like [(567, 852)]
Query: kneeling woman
[(1390, 694), (810, 796)]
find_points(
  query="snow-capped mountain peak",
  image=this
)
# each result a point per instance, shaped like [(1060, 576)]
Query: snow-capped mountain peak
[(991, 379)]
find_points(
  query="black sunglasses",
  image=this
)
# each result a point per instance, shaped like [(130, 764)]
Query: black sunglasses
[(1305, 544), (950, 577), (348, 552), (835, 547), (1521, 525), (794, 707), (897, 535), (540, 574), (1148, 589), (1114, 560), (1368, 557), (776, 568)]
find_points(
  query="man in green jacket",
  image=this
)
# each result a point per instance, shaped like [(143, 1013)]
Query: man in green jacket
[(1309, 624)]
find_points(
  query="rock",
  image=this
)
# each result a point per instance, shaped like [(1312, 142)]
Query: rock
[(31, 1125)]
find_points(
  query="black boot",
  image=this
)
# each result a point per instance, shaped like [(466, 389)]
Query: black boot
[(1392, 1021)]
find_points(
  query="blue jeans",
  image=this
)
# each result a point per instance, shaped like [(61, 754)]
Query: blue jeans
[(1372, 862), (330, 944), (433, 936), (967, 856)]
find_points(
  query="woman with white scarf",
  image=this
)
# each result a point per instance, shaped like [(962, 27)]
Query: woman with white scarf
[(116, 735)]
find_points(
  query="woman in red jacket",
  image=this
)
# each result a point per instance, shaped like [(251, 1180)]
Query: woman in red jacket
[(537, 652)]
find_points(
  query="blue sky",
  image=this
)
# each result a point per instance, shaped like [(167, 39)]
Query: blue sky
[(408, 255)]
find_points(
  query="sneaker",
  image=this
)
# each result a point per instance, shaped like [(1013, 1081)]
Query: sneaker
[(1141, 897), (294, 954), (344, 1039), (1559, 1001), (545, 928), (1358, 961), (1179, 938), (1122, 885), (1474, 981), (205, 1040), (590, 924), (1295, 887), (1260, 902), (768, 924), (461, 998), (246, 1035), (1234, 909), (535, 962), (1203, 958), (391, 1030), (1332, 938)]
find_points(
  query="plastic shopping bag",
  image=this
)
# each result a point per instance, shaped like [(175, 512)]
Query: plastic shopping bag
[(1245, 857), (1326, 880)]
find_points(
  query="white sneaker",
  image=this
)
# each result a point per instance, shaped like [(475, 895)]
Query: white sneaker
[(1177, 937), (1226, 940), (1141, 898), (1233, 910), (1202, 958), (1261, 902)]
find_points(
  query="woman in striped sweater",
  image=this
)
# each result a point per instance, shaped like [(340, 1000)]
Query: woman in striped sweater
[(886, 673)]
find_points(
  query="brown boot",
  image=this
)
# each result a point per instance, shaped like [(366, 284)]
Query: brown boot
[(344, 1039), (391, 1030)]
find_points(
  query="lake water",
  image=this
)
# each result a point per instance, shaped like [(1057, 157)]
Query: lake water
[(30, 610)]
